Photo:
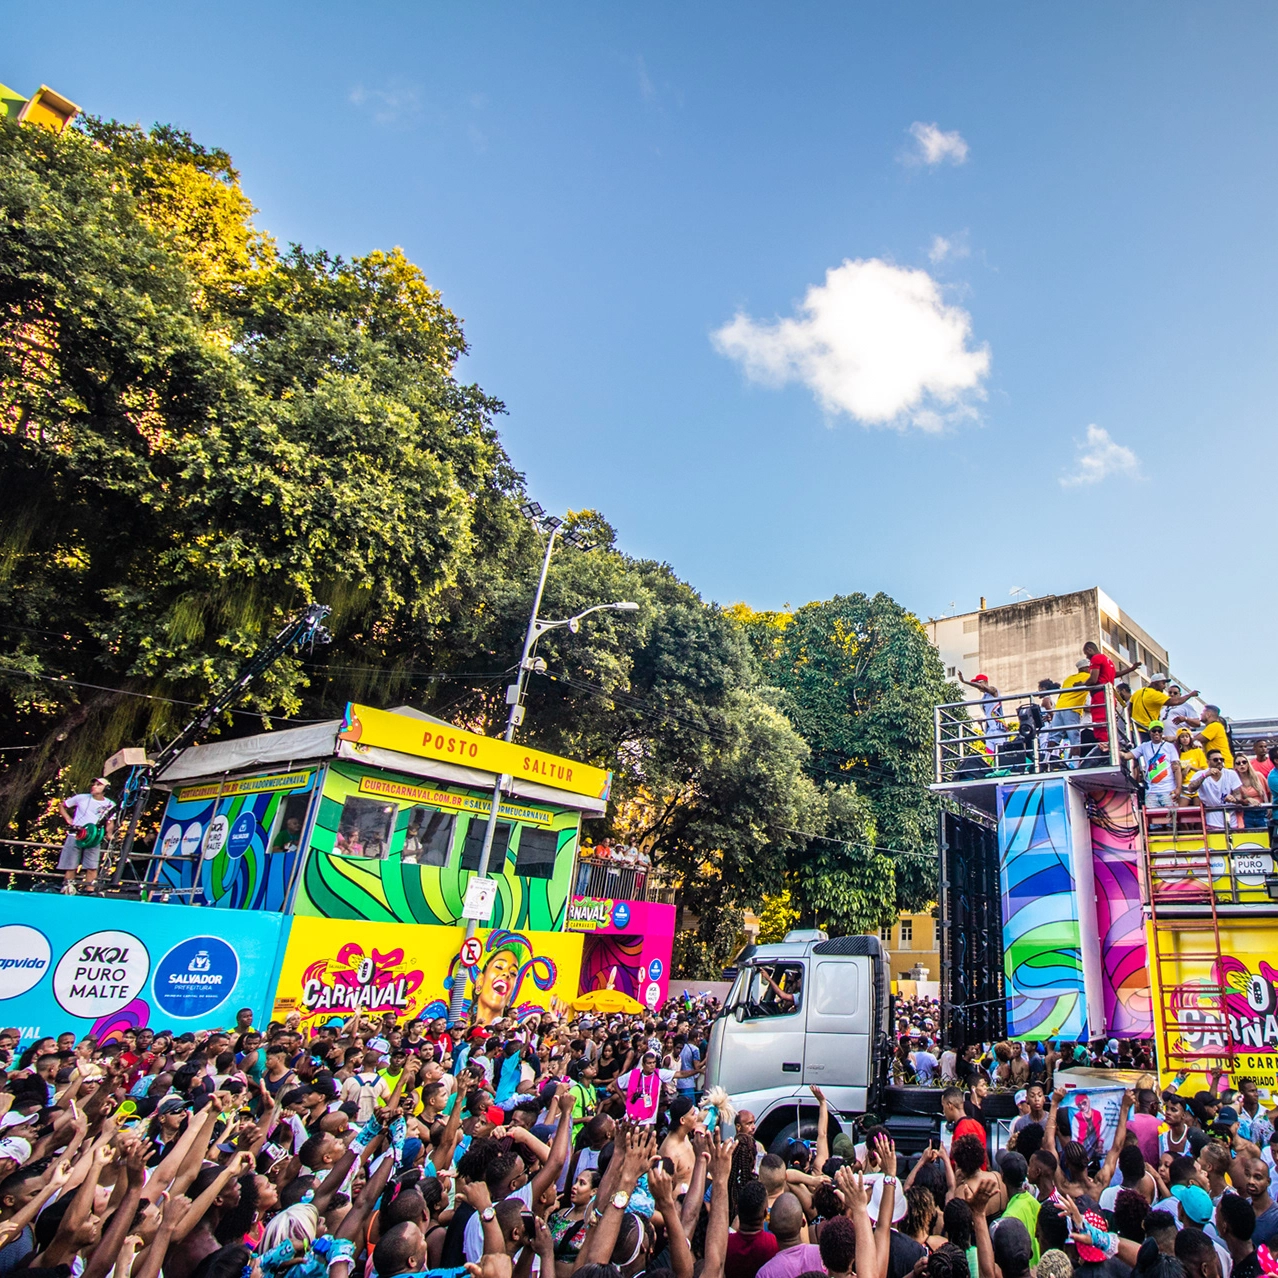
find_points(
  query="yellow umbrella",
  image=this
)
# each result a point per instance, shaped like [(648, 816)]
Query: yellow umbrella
[(607, 1001)]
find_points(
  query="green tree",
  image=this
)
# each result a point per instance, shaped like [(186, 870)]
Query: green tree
[(860, 682), (197, 434)]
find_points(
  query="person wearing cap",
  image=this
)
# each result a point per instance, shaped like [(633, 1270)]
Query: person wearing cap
[(1151, 702), (993, 728), (1160, 763), (80, 812)]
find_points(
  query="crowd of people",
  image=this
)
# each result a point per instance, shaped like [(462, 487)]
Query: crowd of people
[(588, 1146), (1009, 1066)]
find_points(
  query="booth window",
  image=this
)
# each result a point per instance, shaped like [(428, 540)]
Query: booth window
[(535, 856), (292, 821), (474, 845), (429, 837), (365, 828)]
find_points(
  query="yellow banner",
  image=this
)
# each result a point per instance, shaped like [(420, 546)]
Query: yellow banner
[(337, 967), (365, 726), (453, 802), (1245, 1018), (248, 785)]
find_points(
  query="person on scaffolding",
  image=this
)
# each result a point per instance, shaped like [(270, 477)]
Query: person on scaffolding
[(91, 823)]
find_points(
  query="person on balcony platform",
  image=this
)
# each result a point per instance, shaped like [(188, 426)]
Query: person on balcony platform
[(1212, 735), (1255, 790), (1102, 671), (1160, 763), (993, 728), (1153, 702), (1217, 787)]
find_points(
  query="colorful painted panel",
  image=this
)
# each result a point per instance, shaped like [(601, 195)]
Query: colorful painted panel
[(332, 969), (94, 966), (358, 867), (1120, 924), (1042, 950), (628, 946), (228, 828)]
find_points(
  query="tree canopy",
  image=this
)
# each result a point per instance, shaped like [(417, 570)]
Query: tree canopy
[(200, 431)]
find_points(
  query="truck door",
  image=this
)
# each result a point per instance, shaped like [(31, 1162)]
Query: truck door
[(764, 1047), (840, 1028)]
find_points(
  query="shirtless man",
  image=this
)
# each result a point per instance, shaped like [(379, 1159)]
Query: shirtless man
[(1072, 1177), (677, 1146)]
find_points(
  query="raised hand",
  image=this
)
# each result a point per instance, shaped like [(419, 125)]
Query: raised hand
[(885, 1151), (816, 1091), (721, 1152), (852, 1186), (661, 1185)]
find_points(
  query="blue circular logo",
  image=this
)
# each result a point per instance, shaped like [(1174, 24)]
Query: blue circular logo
[(241, 836), (195, 977), (655, 968), (620, 914)]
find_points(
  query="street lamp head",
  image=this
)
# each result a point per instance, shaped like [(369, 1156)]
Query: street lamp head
[(626, 605), (532, 510)]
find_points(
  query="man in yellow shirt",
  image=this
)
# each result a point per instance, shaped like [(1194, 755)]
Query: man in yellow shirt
[(1147, 704), (1067, 714), (1213, 736)]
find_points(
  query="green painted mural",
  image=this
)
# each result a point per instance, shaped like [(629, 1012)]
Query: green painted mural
[(391, 848)]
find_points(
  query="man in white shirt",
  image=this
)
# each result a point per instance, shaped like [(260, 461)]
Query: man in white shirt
[(91, 824), (1216, 787), (1160, 762)]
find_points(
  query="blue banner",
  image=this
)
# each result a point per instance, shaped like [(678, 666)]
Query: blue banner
[(97, 966)]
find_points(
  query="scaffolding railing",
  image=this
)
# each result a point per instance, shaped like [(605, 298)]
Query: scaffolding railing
[(1019, 733)]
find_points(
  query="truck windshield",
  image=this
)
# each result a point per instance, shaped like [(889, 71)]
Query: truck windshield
[(773, 989)]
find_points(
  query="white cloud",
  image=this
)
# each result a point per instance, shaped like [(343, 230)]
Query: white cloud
[(875, 341), (1099, 457), (947, 248), (389, 106), (934, 146)]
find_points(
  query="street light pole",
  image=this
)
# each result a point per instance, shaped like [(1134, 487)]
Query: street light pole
[(515, 699)]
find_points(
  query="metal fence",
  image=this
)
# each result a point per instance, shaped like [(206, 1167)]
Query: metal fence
[(1019, 733)]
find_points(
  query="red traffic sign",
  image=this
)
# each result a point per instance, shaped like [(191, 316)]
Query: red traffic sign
[(472, 951)]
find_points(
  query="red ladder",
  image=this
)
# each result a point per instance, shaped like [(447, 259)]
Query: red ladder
[(1186, 904)]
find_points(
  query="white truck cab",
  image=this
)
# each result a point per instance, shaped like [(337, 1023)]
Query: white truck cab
[(811, 1010)]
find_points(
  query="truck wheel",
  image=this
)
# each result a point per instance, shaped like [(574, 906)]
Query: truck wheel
[(779, 1130)]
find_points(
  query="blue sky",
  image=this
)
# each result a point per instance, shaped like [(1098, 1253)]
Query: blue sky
[(601, 190)]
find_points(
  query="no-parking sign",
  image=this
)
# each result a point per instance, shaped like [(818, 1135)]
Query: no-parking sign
[(472, 951)]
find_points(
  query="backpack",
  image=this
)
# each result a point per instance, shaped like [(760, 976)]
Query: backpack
[(366, 1099)]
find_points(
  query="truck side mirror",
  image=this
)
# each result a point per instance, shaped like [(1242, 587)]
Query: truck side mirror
[(739, 1012)]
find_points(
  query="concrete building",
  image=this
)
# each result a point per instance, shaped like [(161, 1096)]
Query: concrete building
[(1018, 644), (914, 948)]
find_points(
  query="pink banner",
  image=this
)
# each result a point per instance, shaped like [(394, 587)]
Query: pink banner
[(628, 946)]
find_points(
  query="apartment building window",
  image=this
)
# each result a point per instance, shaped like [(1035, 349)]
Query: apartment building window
[(885, 934), (907, 932)]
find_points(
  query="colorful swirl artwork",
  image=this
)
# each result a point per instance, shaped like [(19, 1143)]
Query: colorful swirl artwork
[(1042, 958), (1129, 1009)]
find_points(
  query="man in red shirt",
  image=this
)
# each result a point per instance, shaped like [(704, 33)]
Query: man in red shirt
[(956, 1123), (752, 1245), (1102, 672)]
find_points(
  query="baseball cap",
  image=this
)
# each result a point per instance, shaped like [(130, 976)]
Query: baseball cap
[(1157, 723), (379, 1044), (1195, 1200), (1158, 678), (102, 781), (171, 1105), (1228, 1115), (16, 1148), (479, 1032), (1086, 1251), (980, 678), (1021, 1096), (14, 1119), (1083, 665)]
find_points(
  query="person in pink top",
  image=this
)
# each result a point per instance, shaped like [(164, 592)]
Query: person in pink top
[(1144, 1123)]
